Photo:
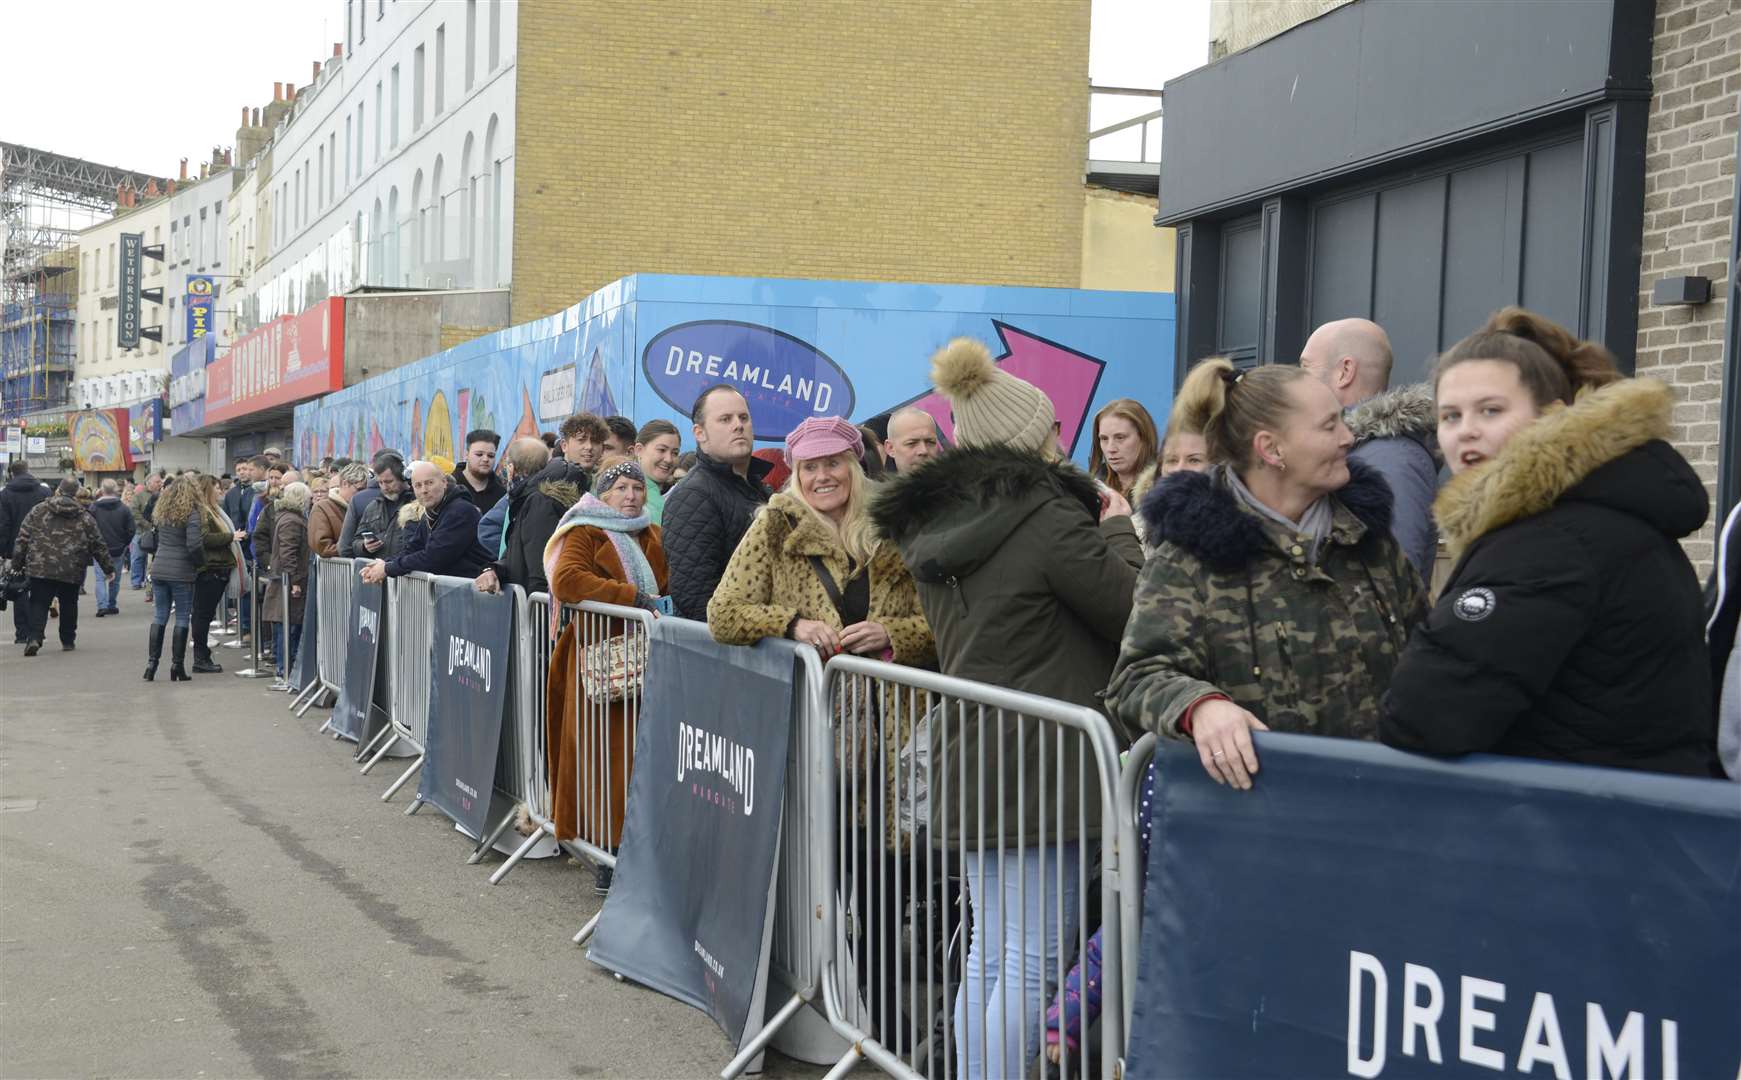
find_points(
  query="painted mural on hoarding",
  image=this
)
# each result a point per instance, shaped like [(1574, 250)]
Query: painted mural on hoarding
[(645, 346), (100, 440)]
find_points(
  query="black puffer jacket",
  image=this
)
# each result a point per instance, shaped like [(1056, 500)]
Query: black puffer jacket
[(115, 521), (1572, 627), (440, 541), (534, 510), (705, 516), (20, 494)]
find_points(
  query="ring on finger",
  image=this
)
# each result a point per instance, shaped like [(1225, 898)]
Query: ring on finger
[(1219, 754)]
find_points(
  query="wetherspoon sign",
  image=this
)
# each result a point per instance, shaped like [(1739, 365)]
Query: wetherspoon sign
[(127, 298), (288, 360)]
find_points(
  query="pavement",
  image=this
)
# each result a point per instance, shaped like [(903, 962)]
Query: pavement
[(194, 883)]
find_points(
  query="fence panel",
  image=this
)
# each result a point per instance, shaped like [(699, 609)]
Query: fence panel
[(948, 794), (522, 769), (409, 621)]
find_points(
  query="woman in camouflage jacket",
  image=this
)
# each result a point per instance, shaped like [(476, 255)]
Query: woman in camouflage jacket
[(1276, 597)]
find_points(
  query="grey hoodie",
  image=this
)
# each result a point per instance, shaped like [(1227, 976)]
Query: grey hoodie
[(1396, 433)]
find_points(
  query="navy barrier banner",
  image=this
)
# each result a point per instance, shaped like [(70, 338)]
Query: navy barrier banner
[(353, 715), (1363, 912), (306, 667), (691, 903), (468, 690)]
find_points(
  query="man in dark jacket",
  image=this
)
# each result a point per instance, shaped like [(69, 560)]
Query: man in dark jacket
[(1394, 431), (475, 477), (115, 522), (378, 533), (441, 532), (383, 461), (710, 510), (534, 510), (55, 544), (21, 493)]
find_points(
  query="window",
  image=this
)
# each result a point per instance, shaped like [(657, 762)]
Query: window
[(156, 240), (495, 33), (109, 339), (111, 266), (378, 120), (332, 164), (395, 124), (417, 89), (348, 147), (440, 68), (362, 22), (320, 178), (358, 175), (471, 43), (350, 6), (302, 219), (200, 255), (186, 240)]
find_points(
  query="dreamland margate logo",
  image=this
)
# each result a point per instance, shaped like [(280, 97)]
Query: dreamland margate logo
[(701, 751), (785, 380), (468, 656)]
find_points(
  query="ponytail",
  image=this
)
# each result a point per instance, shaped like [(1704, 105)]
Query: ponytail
[(1229, 406), (1552, 363)]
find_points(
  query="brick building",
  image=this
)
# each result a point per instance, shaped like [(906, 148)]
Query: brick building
[(1423, 164), (906, 141)]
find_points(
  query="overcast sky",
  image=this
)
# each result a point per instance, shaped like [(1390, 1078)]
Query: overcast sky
[(140, 85)]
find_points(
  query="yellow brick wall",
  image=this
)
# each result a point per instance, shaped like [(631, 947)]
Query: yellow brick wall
[(452, 334), (904, 140)]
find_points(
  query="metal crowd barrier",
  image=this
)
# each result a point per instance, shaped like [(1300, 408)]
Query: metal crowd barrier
[(410, 615), (333, 580), (946, 791), (1130, 790), (522, 772)]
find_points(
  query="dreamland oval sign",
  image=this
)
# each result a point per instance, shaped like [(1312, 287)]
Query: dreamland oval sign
[(785, 380)]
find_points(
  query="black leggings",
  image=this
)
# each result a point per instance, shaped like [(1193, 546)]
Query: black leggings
[(208, 592)]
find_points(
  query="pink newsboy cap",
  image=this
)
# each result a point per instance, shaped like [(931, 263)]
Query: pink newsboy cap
[(822, 436)]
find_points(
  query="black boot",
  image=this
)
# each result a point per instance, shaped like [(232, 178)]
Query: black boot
[(156, 651), (178, 644), (203, 664)]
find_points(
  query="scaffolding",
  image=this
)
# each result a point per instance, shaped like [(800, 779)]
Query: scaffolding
[(46, 199)]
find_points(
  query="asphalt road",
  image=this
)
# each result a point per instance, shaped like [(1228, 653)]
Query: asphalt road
[(193, 883)]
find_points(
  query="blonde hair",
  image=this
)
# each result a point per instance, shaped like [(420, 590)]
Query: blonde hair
[(294, 496), (1229, 407), (179, 501), (854, 531)]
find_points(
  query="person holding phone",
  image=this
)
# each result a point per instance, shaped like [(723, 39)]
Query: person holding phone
[(605, 550)]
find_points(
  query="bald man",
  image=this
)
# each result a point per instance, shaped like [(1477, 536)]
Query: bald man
[(912, 438), (1395, 431), (441, 536)]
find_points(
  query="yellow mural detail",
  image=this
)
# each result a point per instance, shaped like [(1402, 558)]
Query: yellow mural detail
[(437, 430)]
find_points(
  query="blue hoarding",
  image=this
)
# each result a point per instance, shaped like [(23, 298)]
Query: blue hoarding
[(644, 346)]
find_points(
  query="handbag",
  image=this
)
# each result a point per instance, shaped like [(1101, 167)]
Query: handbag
[(13, 585), (614, 669), (148, 539)]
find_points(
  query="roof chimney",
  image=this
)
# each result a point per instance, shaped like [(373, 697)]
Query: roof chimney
[(244, 116), (316, 76), (151, 189), (184, 168), (202, 170), (338, 48), (171, 190), (256, 122), (289, 91), (277, 91)]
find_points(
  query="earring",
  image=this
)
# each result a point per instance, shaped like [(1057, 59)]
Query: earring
[(1281, 463)]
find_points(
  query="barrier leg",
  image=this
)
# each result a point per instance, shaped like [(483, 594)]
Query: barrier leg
[(381, 752), (304, 699), (416, 763), (416, 805), (318, 698), (490, 839), (586, 931), (757, 1044), (514, 859)]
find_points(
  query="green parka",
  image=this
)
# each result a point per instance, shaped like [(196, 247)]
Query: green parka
[(1024, 588), (1232, 604)]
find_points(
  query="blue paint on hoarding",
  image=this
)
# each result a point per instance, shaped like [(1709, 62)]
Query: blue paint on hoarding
[(860, 349)]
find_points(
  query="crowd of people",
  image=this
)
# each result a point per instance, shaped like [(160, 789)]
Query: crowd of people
[(1262, 561)]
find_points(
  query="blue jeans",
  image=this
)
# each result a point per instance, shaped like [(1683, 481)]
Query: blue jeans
[(108, 587), (283, 660), (176, 593), (1020, 885), (136, 563)]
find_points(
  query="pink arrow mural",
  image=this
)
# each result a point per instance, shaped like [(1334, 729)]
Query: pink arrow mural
[(1068, 377)]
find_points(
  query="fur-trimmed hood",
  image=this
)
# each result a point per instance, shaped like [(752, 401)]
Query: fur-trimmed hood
[(1199, 514), (1608, 448), (1408, 412), (957, 509)]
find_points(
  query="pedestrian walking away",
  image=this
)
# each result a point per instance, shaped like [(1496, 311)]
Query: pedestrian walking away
[(56, 544), (115, 520), (21, 493)]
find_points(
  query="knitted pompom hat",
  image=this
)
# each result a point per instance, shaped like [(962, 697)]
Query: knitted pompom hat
[(992, 407)]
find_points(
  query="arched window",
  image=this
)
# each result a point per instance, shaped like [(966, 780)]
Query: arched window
[(468, 185), (438, 198), (377, 258), (493, 201), (393, 235), (419, 221)]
